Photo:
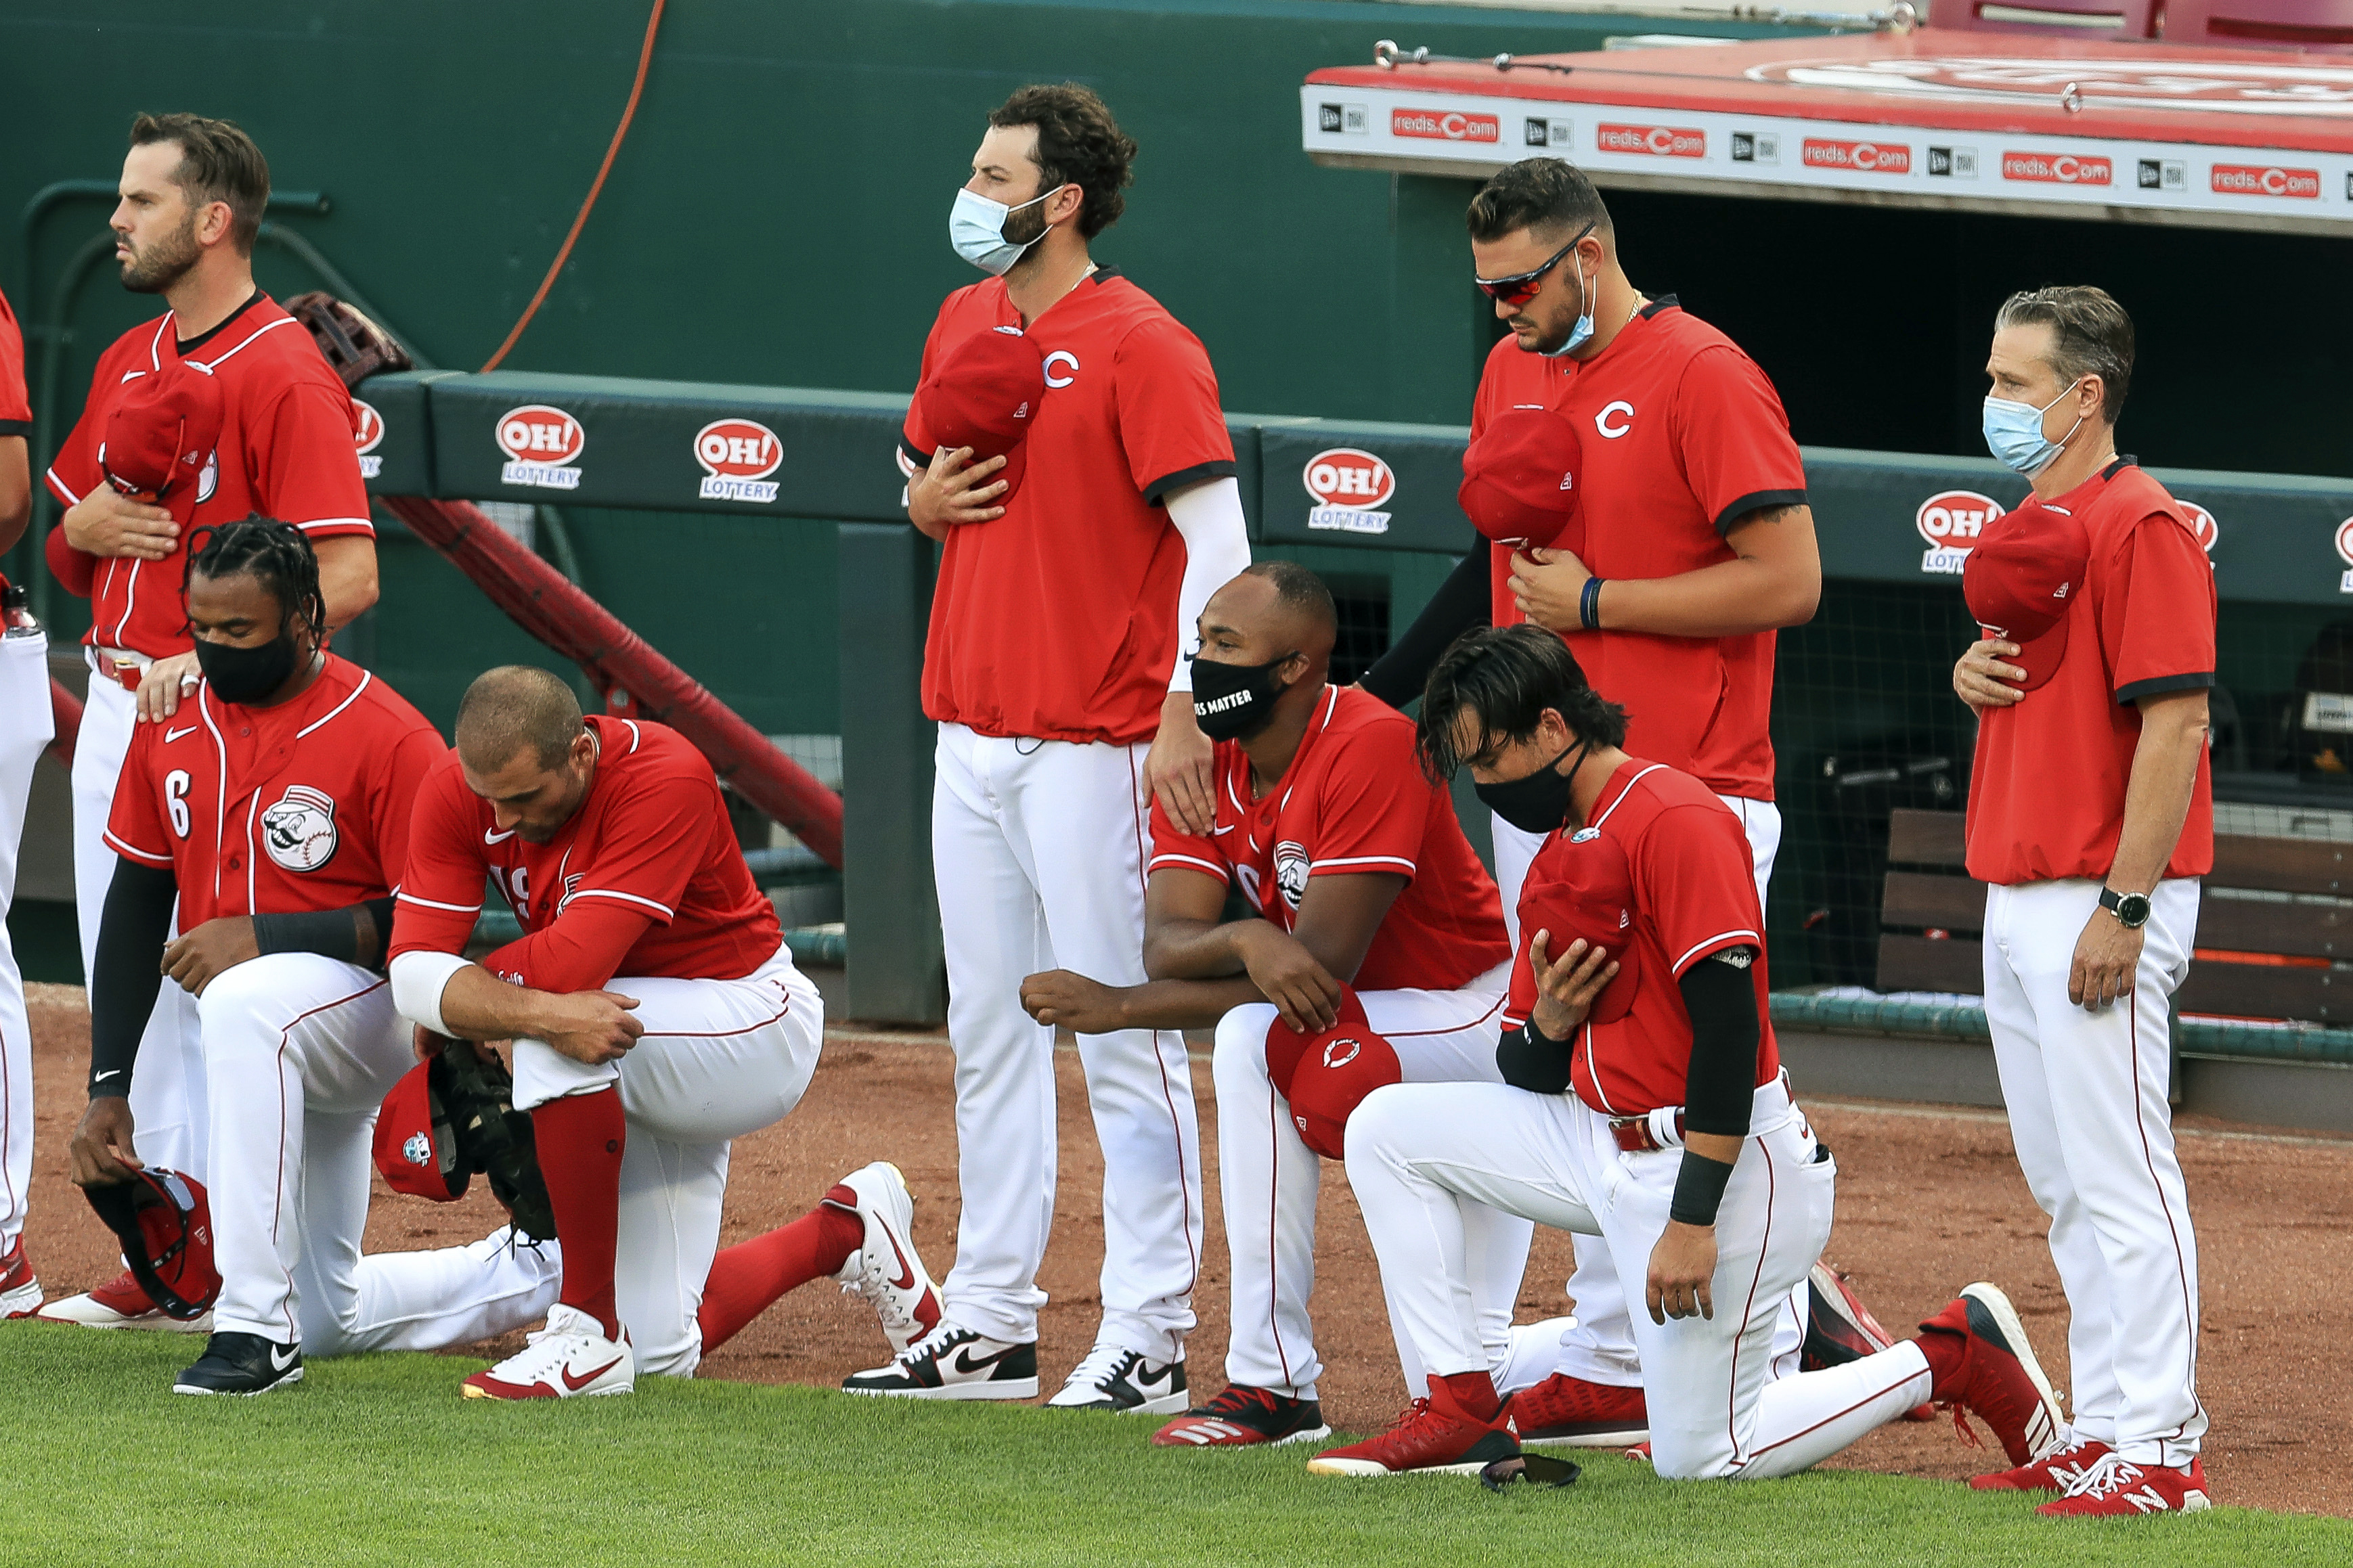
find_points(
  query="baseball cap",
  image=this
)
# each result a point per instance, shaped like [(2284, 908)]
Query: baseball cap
[(2024, 573), (983, 395), (1286, 1048), (1582, 887), (415, 1148), (164, 1222), (161, 434), (1520, 481), (1339, 1068)]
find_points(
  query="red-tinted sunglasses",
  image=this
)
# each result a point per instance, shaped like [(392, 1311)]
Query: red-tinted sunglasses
[(1520, 287)]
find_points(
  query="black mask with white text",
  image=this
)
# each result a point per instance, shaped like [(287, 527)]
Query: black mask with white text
[(1235, 701)]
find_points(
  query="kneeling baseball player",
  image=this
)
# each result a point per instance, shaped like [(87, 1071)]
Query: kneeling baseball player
[(610, 841), (1644, 1102), (1372, 911), (276, 811)]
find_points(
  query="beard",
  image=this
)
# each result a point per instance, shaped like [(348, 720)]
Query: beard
[(163, 262), (1027, 225)]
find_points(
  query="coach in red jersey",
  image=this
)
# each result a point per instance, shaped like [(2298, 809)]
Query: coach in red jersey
[(193, 193), (26, 727), (1088, 508), (2092, 818), (1370, 910), (277, 814)]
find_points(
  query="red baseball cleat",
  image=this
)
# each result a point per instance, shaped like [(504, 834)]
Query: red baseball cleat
[(1243, 1416), (1998, 1376), (569, 1357), (1840, 1329), (1569, 1412), (2116, 1488), (120, 1303), (20, 1293), (2055, 1474), (1432, 1436)]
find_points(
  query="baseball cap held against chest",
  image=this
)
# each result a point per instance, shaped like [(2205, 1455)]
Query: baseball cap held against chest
[(161, 434), (1522, 480), (1586, 890), (984, 393), (2023, 576)]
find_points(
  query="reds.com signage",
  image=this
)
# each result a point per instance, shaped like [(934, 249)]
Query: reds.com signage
[(2266, 180), (1445, 125), (1654, 140), (1349, 485), (1866, 157), (1951, 522), (737, 457), (542, 444), (2057, 168)]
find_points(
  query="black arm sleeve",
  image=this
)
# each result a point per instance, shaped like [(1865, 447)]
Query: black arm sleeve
[(354, 935), (1464, 600), (129, 971), (1722, 1000), (1531, 1059)]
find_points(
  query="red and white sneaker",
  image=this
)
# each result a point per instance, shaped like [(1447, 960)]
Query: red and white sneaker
[(1840, 1329), (1998, 1377), (1241, 1416), (2118, 1488), (20, 1293), (2056, 1473), (120, 1303), (1569, 1412), (569, 1357), (1432, 1436), (885, 1269)]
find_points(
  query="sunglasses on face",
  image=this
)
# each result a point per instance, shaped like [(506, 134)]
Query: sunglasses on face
[(1520, 287)]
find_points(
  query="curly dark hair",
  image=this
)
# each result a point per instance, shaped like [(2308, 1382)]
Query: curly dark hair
[(280, 558), (1507, 677), (1079, 144)]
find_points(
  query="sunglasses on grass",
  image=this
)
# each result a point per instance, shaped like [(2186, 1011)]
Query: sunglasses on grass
[(1520, 287)]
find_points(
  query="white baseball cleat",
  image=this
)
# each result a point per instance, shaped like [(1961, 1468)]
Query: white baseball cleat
[(886, 1269), (1113, 1377), (120, 1303), (570, 1356)]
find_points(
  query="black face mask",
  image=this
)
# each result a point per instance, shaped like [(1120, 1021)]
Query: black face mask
[(246, 675), (1538, 803), (1234, 701)]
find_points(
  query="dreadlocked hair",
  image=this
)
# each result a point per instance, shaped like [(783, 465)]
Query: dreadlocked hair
[(277, 556)]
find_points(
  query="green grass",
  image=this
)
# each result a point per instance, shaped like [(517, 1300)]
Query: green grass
[(376, 1459)]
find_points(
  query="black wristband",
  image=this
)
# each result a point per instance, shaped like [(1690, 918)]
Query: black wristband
[(1699, 1189), (1588, 604), (354, 933)]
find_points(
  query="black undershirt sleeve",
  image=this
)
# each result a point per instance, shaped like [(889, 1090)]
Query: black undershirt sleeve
[(1529, 1058), (1463, 601), (354, 933), (129, 971), (1722, 1083)]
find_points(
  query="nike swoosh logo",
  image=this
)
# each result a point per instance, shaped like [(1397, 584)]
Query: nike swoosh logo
[(577, 1383), (490, 837), (906, 1280), (171, 735), (280, 1362), (965, 1364), (111, 1072)]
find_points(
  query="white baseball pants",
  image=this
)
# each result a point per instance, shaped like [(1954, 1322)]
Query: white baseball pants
[(27, 726), (1421, 1157), (1037, 850), (302, 1051), (720, 1059), (1599, 1345), (2089, 1115), (168, 1099), (1267, 1181)]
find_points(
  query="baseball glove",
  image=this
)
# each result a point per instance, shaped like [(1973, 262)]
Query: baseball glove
[(355, 346), (492, 1137)]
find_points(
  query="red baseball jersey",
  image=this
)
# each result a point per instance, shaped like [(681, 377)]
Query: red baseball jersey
[(2047, 788), (287, 450), (1354, 800), (652, 839), (284, 810), (15, 407), (1694, 894), (1682, 435), (1058, 619)]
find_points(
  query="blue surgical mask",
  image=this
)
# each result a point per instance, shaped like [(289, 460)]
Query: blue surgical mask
[(976, 229), (1579, 334), (2013, 432)]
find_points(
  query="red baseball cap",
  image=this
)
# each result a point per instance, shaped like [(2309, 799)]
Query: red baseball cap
[(415, 1148), (2024, 573), (1582, 887), (1286, 1046), (983, 395), (1340, 1066), (161, 434), (1520, 481)]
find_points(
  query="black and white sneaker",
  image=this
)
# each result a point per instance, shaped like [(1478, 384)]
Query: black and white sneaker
[(953, 1362), (241, 1364), (1114, 1378), (1241, 1416)]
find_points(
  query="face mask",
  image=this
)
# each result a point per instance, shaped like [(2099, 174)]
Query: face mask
[(1234, 701), (246, 675), (1578, 335), (976, 229), (2013, 432), (1538, 803)]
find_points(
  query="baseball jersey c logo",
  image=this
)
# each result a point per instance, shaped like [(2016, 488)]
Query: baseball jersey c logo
[(1066, 357), (1601, 420)]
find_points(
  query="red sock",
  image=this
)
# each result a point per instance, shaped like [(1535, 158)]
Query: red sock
[(1947, 1355), (1475, 1392), (580, 1139), (749, 1277)]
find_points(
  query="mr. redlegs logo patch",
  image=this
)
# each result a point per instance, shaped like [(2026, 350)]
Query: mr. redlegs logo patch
[(1950, 520), (1348, 484), (737, 457), (540, 442)]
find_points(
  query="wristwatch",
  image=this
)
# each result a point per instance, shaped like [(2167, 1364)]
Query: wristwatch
[(2131, 910)]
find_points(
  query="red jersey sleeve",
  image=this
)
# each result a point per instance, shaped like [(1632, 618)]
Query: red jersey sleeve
[(134, 829), (441, 879), (581, 951), (412, 761), (74, 471), (15, 406), (1169, 422), (1698, 884), (75, 568), (1375, 805), (1174, 849), (1734, 436), (2157, 620), (306, 465)]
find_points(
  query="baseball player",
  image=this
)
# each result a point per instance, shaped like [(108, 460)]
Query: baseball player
[(1642, 1103), (2091, 818), (27, 726), (1370, 909), (1087, 509), (656, 1015), (275, 809), (193, 192), (1679, 542)]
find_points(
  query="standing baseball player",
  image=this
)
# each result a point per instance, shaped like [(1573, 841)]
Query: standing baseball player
[(1067, 446), (656, 1015), (1642, 1103), (2091, 818), (1679, 541), (276, 812), (193, 194), (1376, 953), (26, 725)]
